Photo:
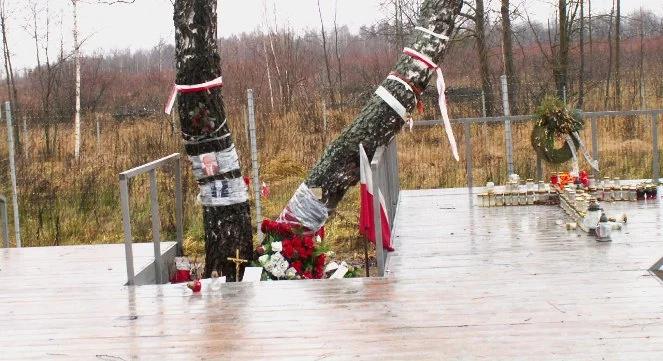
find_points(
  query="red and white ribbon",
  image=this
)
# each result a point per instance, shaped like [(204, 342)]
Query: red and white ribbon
[(212, 84), (442, 100)]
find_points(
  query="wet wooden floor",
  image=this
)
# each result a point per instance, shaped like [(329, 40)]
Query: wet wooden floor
[(465, 283)]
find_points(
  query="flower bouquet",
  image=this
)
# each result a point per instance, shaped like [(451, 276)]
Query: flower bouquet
[(291, 252)]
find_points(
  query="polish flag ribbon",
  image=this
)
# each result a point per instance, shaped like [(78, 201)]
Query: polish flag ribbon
[(442, 100), (212, 84)]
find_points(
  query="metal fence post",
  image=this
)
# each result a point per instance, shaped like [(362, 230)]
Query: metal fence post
[(324, 123), (539, 168), (483, 104), (96, 118), (468, 155), (179, 209), (12, 170), (156, 226), (655, 160), (377, 219), (254, 161), (5, 223), (507, 125), (595, 143), (126, 225)]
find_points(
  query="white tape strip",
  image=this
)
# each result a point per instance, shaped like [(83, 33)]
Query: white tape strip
[(224, 192), (588, 157), (210, 164), (392, 102), (576, 168), (432, 33), (406, 85), (305, 209)]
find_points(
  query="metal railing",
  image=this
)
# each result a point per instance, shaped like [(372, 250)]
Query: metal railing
[(3, 219), (384, 168), (151, 169), (592, 116)]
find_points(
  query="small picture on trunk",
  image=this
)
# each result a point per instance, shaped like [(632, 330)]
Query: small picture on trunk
[(210, 166)]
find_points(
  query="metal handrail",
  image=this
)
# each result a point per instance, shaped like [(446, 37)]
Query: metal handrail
[(384, 168), (151, 168), (3, 218), (592, 116)]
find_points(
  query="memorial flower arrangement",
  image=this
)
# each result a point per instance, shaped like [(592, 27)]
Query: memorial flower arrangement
[(555, 122), (291, 252)]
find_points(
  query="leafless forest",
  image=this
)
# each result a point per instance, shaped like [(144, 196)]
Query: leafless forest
[(308, 86)]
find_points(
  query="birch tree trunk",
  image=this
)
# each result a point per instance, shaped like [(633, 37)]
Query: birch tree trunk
[(202, 115), (377, 123), (77, 61), (509, 67)]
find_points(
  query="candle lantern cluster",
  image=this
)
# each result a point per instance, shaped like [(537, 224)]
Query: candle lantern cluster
[(518, 193)]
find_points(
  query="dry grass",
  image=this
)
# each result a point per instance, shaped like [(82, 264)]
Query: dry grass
[(67, 202)]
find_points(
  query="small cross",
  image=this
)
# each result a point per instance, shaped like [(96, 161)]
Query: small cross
[(238, 263)]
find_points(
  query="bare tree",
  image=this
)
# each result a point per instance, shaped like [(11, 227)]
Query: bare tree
[(480, 19), (77, 65), (9, 69), (339, 67), (618, 40), (581, 75), (330, 85), (507, 51)]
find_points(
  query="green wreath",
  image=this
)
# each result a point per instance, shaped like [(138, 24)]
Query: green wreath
[(554, 122)]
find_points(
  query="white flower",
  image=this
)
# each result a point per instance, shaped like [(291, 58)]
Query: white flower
[(291, 272), (318, 239), (263, 259), (277, 247), (277, 265)]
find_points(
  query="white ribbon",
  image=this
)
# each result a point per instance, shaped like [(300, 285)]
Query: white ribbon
[(442, 100), (576, 168), (592, 162), (432, 33), (392, 102)]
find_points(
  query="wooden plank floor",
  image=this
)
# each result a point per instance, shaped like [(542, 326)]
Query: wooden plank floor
[(465, 283)]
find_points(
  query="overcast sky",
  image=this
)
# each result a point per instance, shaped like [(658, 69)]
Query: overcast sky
[(144, 23)]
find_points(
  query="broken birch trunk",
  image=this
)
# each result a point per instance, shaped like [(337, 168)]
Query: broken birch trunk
[(207, 137), (378, 122)]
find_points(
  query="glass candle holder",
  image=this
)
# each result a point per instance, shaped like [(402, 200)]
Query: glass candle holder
[(499, 199)]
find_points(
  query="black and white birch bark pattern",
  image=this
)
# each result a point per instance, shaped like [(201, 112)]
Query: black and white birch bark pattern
[(377, 123), (227, 228)]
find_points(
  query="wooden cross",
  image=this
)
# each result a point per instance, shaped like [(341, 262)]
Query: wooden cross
[(238, 263)]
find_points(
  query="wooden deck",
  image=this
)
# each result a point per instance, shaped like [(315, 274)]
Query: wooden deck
[(465, 283)]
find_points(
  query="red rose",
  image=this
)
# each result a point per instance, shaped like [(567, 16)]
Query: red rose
[(284, 229), (321, 232), (308, 275), (266, 226), (320, 260), (298, 266), (308, 242), (288, 251)]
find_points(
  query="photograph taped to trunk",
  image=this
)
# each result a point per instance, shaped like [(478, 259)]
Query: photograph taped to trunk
[(223, 192), (214, 163)]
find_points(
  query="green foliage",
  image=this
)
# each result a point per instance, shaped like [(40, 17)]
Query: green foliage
[(555, 121)]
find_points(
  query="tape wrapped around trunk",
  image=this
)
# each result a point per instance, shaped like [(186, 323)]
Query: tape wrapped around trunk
[(214, 163), (223, 192), (305, 209)]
